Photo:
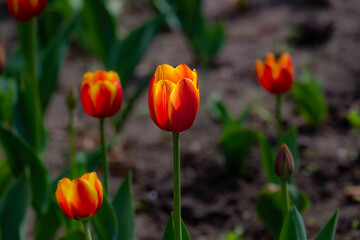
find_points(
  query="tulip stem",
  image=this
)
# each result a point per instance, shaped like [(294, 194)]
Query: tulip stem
[(278, 118), (105, 163), (177, 186), (73, 170), (87, 230), (285, 196)]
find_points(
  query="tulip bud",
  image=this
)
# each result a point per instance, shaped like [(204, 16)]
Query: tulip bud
[(25, 10), (275, 76), (81, 198), (174, 97), (2, 60), (284, 163), (101, 94), (71, 99)]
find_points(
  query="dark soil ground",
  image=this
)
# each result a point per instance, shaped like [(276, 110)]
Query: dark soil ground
[(214, 201)]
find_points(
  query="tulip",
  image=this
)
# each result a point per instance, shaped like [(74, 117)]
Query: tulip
[(24, 10), (101, 94), (2, 60), (174, 97), (284, 163), (275, 76), (81, 198)]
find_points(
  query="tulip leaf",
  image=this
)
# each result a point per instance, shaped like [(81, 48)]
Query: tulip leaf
[(104, 222), (267, 159), (13, 210), (328, 231), (8, 95), (269, 206), (236, 143), (124, 210), (219, 111), (309, 99), (74, 235), (46, 225), (98, 29), (293, 227), (129, 51), (20, 155), (52, 57), (169, 230), (5, 176)]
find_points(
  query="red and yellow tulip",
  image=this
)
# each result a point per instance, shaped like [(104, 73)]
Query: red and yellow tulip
[(275, 76), (24, 10), (81, 198), (174, 97), (101, 94)]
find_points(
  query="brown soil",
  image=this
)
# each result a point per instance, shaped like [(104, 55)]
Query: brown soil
[(213, 201)]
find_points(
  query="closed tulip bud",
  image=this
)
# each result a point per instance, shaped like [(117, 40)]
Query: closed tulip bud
[(101, 94), (174, 97), (284, 163), (2, 60), (275, 76), (71, 99), (81, 198), (24, 10)]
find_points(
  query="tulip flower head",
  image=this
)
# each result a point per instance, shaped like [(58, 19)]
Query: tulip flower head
[(275, 76), (81, 198), (101, 94), (284, 162), (174, 97), (24, 10), (2, 60)]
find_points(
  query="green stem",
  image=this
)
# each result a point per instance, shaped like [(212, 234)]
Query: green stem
[(31, 82), (278, 119), (285, 197), (177, 186), (105, 163), (87, 230), (73, 170)]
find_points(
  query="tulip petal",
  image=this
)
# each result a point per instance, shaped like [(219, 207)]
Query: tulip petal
[(84, 201), (86, 100), (259, 68), (93, 180), (184, 72), (284, 81), (63, 195), (285, 61), (183, 105), (196, 80), (167, 72), (162, 92), (270, 58)]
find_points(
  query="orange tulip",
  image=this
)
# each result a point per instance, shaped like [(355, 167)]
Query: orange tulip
[(24, 10), (101, 94), (81, 198), (174, 97), (2, 60), (275, 76)]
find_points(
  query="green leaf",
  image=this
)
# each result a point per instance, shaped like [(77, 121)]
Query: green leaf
[(169, 230), (310, 101), (13, 210), (219, 111), (300, 199), (244, 115), (52, 57), (293, 227), (74, 235), (5, 176), (128, 52), (328, 231), (353, 117), (124, 210), (8, 96), (47, 224), (20, 155), (104, 222), (267, 159), (235, 144), (98, 29)]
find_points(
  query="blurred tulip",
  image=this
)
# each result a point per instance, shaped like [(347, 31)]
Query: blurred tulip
[(284, 163), (101, 94), (81, 198), (174, 97), (275, 76), (2, 60), (24, 10)]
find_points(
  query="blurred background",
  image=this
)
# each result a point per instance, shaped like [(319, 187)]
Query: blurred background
[(221, 40)]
